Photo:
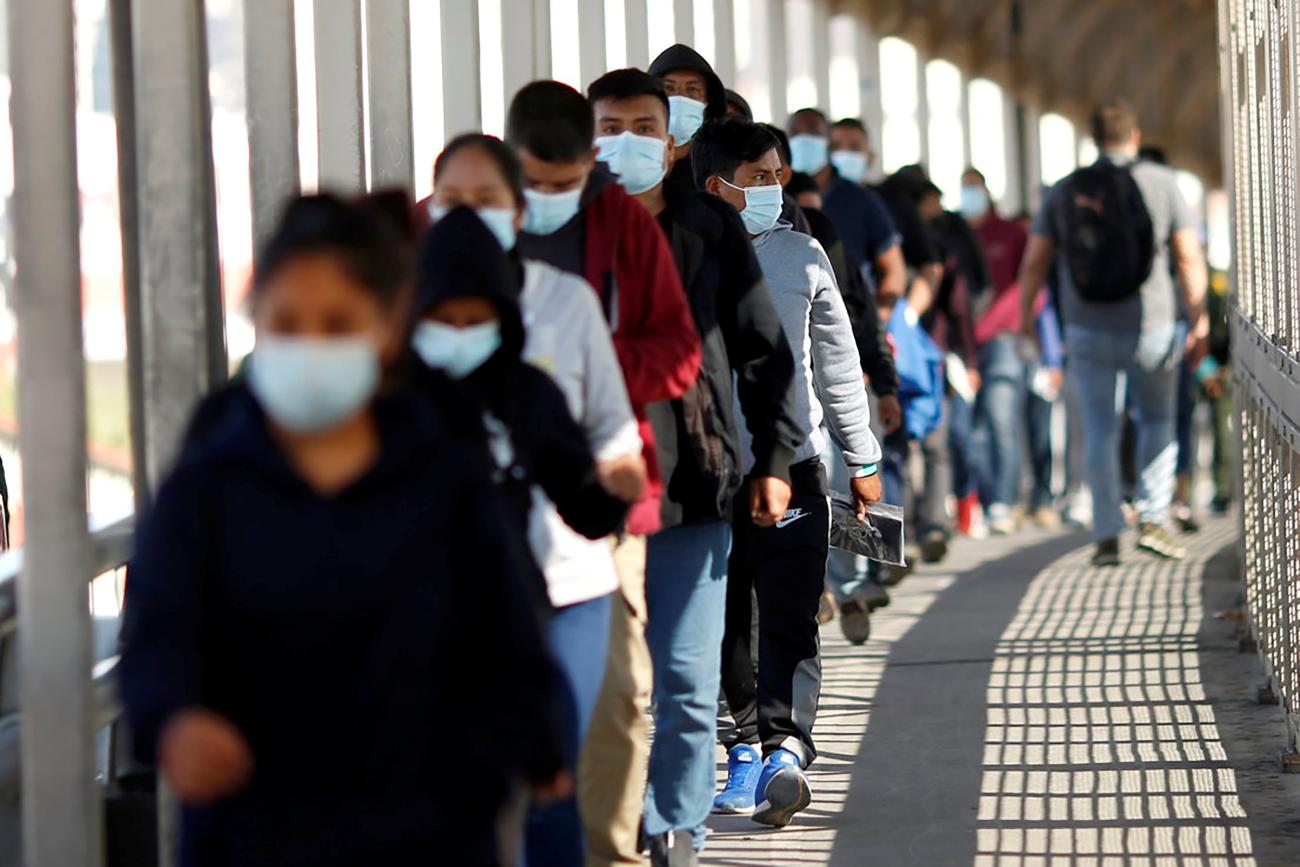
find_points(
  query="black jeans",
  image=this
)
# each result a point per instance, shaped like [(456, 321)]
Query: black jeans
[(784, 566)]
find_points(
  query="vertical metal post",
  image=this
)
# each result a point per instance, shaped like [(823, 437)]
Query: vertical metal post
[(271, 97), (724, 50), (339, 111), (62, 824), (778, 66), (821, 51), (541, 39), (388, 48), (637, 24), (868, 53), (684, 21), (1014, 198), (462, 104), (591, 40), (923, 103), (518, 49)]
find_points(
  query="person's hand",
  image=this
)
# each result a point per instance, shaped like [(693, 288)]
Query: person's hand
[(1198, 339), (769, 497), (891, 412), (866, 493), (203, 757), (558, 788), (974, 378), (1056, 379), (623, 478)]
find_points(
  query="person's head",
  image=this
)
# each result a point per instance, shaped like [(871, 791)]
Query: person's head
[(466, 297), (695, 93), (1115, 127), (737, 104), (550, 127), (330, 302), (804, 190), (738, 161), (1153, 154), (481, 172), (851, 152), (782, 148), (631, 110), (975, 200), (809, 140)]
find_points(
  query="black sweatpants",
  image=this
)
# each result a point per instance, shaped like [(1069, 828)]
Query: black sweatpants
[(784, 566)]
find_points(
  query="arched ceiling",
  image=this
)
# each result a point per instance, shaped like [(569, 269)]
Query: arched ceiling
[(1068, 54)]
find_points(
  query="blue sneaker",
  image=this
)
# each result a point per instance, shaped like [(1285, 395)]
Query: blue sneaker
[(744, 764), (782, 790)]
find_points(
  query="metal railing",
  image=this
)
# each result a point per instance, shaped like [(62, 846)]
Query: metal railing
[(1257, 47)]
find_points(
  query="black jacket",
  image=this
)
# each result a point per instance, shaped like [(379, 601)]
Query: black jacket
[(872, 338), (460, 258), (742, 342), (355, 640)]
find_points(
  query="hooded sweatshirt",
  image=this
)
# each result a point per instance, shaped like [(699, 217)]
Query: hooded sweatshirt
[(683, 58), (828, 372), (534, 438)]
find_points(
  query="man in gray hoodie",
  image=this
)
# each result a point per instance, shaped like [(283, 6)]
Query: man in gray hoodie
[(784, 565)]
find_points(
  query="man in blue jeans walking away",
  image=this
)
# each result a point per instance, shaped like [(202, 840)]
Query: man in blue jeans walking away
[(1118, 225)]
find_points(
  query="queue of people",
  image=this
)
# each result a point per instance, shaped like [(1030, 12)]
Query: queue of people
[(522, 470)]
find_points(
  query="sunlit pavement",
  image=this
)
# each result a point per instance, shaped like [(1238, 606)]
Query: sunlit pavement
[(1016, 707)]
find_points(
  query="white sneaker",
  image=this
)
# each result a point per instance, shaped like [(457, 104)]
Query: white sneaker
[(1001, 520)]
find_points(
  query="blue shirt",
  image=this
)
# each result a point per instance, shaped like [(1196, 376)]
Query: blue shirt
[(863, 221)]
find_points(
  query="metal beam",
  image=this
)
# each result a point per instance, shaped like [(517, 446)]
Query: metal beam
[(462, 105), (388, 51), (636, 24), (62, 823), (820, 49), (271, 94), (591, 41), (519, 36), (339, 112), (724, 51), (777, 65), (684, 21)]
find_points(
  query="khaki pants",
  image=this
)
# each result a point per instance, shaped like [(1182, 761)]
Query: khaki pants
[(612, 766)]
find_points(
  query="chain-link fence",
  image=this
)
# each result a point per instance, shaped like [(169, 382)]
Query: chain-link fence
[(1257, 43)]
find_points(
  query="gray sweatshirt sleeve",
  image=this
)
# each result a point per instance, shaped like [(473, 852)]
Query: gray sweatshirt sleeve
[(608, 421), (837, 371)]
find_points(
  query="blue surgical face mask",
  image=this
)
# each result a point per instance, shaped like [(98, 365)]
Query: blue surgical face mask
[(852, 165), (638, 160), (762, 206), (685, 117), (809, 153), (974, 201), (547, 212), (500, 221), (458, 352), (311, 384)]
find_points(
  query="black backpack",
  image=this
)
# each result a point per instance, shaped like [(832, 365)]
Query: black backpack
[(1110, 243)]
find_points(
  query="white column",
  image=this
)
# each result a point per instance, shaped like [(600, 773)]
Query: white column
[(724, 26), (339, 113), (684, 21), (638, 33), (591, 40), (873, 111), (388, 48), (821, 49), (777, 69), (461, 87)]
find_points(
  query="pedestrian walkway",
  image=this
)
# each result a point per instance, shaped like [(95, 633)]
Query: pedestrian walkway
[(1016, 707)]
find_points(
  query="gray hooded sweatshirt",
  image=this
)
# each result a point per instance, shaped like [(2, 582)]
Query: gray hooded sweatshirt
[(828, 379)]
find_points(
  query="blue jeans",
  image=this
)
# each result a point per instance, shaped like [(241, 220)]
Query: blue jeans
[(998, 422), (1186, 418), (845, 572), (1149, 364), (578, 636), (686, 597), (961, 417), (1038, 417)]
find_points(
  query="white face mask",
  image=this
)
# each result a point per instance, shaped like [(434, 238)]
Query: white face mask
[(974, 201), (547, 212), (638, 160), (809, 153), (762, 206), (458, 352), (685, 117), (500, 222), (852, 165), (311, 384)]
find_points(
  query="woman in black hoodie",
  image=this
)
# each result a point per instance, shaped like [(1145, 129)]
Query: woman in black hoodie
[(323, 603)]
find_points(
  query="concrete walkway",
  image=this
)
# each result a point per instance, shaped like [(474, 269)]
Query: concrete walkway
[(1016, 707)]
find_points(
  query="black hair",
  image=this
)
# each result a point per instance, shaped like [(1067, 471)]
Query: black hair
[(799, 183), (627, 84), (813, 111), (782, 140), (552, 121), (971, 170), (1153, 154), (735, 100), (850, 123), (721, 146), (497, 151), (370, 237)]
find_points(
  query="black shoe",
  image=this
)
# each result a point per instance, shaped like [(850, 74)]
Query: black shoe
[(934, 545), (673, 849), (1107, 553), (1185, 518), (1221, 505), (873, 594), (855, 620)]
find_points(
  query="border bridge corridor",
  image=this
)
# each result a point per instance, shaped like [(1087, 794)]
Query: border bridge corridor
[(1013, 706)]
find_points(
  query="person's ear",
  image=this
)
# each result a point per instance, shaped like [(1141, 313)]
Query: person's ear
[(591, 158), (670, 154), (713, 186), (519, 217)]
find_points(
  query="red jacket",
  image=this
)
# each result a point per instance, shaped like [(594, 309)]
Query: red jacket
[(630, 265)]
